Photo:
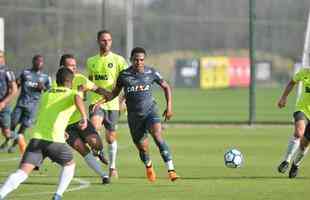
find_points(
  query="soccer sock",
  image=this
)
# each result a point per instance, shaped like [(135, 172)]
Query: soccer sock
[(22, 144), (300, 154), (94, 165), (164, 151), (66, 175), (169, 165), (145, 158), (292, 147), (12, 182), (112, 154)]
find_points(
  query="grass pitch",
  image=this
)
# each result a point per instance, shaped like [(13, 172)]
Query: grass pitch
[(198, 154)]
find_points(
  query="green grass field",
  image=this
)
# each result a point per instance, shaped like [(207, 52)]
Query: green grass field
[(198, 154), (227, 105)]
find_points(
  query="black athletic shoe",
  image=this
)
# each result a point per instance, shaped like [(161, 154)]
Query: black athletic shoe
[(102, 158), (293, 171), (282, 168), (106, 180)]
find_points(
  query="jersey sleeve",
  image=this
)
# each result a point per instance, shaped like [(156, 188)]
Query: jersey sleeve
[(119, 81), (10, 76), (89, 84), (122, 64), (157, 77), (299, 75), (48, 83)]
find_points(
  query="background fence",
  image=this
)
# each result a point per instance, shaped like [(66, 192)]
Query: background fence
[(169, 30)]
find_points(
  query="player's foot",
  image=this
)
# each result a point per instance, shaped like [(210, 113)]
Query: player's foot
[(173, 175), (293, 171), (113, 173), (102, 158), (282, 168), (150, 173), (57, 197), (12, 149), (4, 146), (106, 180)]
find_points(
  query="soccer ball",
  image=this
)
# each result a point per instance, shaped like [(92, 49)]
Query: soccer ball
[(233, 158)]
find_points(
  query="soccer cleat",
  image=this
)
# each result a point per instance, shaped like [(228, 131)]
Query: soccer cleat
[(57, 197), (150, 173), (106, 180), (282, 168), (173, 175), (293, 171), (102, 158), (113, 173)]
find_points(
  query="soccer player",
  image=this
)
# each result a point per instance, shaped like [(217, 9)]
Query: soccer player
[(80, 139), (301, 117), (103, 69), (55, 109), (32, 82), (137, 82), (8, 91)]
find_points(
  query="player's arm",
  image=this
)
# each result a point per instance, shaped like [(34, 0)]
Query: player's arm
[(283, 98), (168, 95), (48, 83), (78, 100), (107, 96), (12, 90)]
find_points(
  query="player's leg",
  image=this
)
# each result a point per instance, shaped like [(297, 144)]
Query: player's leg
[(15, 179), (26, 120), (79, 145), (20, 141), (293, 143), (139, 137), (301, 152), (143, 148), (155, 128), (5, 123), (93, 139), (32, 157), (62, 155), (15, 120), (110, 123)]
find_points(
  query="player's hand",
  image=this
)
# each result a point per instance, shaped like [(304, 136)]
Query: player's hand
[(40, 86), (167, 114), (282, 103), (2, 105), (83, 124)]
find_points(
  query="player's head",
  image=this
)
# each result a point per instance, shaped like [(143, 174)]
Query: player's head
[(64, 77), (68, 61), (137, 57), (104, 39), (37, 62), (2, 58)]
